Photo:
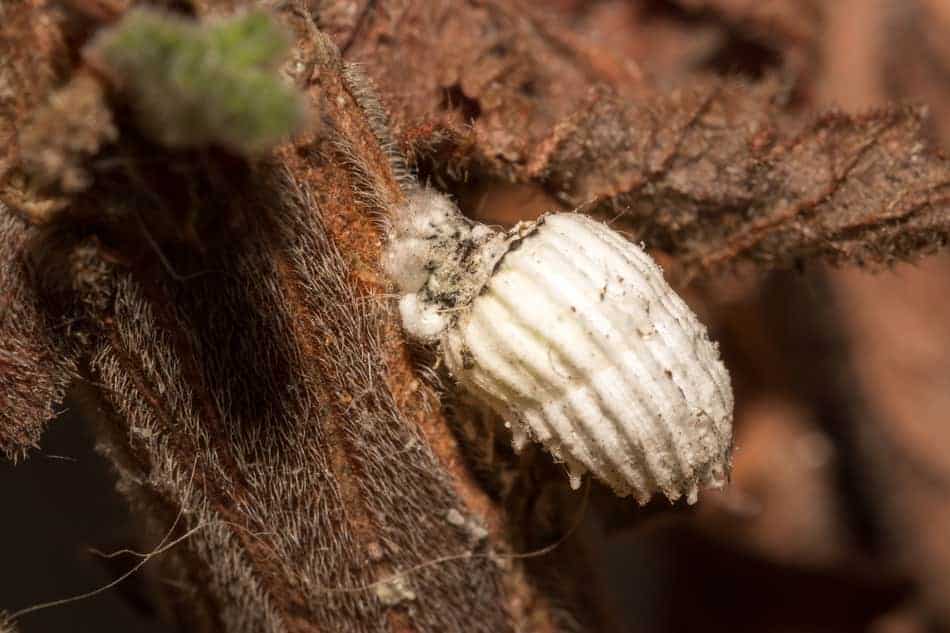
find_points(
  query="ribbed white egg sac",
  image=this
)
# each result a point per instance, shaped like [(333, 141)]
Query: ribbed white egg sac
[(578, 342)]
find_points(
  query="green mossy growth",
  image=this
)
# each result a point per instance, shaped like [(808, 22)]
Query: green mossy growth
[(195, 84)]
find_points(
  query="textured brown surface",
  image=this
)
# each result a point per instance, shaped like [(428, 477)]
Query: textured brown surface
[(35, 365), (246, 373), (714, 173), (308, 481), (246, 381)]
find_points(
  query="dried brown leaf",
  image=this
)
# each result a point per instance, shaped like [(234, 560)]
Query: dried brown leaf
[(495, 76), (71, 127), (29, 44), (714, 175), (673, 40), (36, 366), (780, 22)]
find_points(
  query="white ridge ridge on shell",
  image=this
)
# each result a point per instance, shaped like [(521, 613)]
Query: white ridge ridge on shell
[(569, 332)]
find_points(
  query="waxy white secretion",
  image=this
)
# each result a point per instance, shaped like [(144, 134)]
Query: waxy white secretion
[(571, 334)]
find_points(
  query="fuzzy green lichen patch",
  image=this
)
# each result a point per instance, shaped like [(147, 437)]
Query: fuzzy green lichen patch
[(195, 84)]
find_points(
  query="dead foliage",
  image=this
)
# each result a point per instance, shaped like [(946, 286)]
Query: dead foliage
[(36, 366), (715, 173), (710, 176)]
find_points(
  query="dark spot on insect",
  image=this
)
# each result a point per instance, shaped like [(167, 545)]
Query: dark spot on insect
[(466, 248), (468, 360), (447, 299), (668, 373), (573, 309)]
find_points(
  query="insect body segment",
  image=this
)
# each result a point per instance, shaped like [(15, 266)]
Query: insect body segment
[(570, 333)]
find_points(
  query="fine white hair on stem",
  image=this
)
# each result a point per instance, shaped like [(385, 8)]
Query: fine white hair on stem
[(469, 555), (364, 92), (163, 546)]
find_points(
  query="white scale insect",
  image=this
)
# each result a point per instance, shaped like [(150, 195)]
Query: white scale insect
[(570, 333)]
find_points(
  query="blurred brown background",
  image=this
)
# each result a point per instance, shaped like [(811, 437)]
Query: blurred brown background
[(837, 518)]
